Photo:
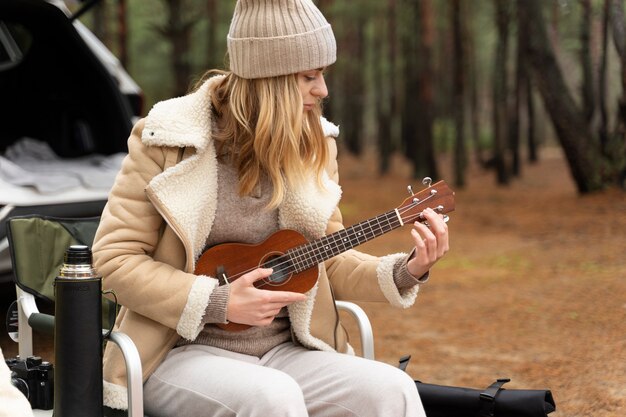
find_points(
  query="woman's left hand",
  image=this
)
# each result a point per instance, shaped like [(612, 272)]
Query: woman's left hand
[(431, 243)]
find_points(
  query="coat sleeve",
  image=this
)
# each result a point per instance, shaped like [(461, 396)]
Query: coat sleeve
[(130, 231), (357, 276)]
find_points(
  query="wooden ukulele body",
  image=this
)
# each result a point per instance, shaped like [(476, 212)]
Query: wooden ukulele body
[(229, 261)]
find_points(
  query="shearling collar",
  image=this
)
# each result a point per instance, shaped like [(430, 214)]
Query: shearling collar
[(189, 189), (182, 121)]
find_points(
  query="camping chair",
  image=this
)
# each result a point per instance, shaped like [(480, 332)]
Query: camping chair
[(38, 243)]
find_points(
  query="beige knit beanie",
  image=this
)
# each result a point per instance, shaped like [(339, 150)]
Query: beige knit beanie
[(268, 38)]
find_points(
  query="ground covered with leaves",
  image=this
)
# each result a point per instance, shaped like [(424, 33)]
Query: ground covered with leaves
[(533, 288)]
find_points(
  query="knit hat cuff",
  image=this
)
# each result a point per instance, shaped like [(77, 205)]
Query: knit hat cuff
[(282, 55)]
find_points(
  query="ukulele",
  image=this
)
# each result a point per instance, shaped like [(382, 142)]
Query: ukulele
[(294, 259)]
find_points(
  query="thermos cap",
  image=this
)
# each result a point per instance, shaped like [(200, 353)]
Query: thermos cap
[(78, 255), (77, 263)]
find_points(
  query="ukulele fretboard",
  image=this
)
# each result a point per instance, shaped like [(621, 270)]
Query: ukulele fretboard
[(308, 255)]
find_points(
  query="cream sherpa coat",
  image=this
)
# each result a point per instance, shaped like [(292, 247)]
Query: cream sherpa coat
[(159, 214)]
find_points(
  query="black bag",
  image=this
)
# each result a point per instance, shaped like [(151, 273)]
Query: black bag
[(494, 401)]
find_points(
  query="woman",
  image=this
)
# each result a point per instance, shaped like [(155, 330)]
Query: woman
[(243, 156)]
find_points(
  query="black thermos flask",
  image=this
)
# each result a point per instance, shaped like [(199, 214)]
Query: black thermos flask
[(78, 337)]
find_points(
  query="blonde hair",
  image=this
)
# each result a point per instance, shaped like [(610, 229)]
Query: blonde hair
[(264, 130)]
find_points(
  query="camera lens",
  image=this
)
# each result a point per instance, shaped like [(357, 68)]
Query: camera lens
[(33, 361), (21, 385), (45, 366)]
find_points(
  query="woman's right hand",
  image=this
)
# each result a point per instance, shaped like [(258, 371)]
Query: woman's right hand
[(255, 307)]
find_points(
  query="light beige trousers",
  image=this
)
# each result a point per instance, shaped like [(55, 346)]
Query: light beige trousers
[(289, 381)]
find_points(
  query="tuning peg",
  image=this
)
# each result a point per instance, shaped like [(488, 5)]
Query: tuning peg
[(446, 219), (410, 190), (427, 181)]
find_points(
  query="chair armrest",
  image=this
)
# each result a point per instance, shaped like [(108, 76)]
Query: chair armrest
[(43, 323), (27, 302), (365, 327), (133, 372), (26, 308)]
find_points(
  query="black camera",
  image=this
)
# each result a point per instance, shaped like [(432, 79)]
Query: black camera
[(35, 379)]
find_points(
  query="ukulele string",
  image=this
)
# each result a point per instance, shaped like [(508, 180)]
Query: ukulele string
[(352, 234), (283, 266)]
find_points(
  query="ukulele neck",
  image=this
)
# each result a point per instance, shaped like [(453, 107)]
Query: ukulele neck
[(306, 256)]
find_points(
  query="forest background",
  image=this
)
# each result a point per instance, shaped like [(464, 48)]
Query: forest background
[(520, 106)]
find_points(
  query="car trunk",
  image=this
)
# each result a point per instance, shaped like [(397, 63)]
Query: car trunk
[(58, 94)]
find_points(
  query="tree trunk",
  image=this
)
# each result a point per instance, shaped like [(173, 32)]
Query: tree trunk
[(474, 103), (616, 143), (410, 86), (177, 30), (393, 42), (383, 86), (423, 151), (533, 153), (444, 104), (617, 26), (572, 130), (387, 81), (521, 74), (555, 19), (458, 93), (426, 94), (619, 39), (604, 119), (212, 8), (353, 85), (500, 93), (587, 90)]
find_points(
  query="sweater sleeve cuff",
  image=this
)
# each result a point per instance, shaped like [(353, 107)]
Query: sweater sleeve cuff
[(403, 278), (217, 307)]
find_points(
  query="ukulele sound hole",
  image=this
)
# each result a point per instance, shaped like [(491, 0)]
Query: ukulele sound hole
[(282, 269)]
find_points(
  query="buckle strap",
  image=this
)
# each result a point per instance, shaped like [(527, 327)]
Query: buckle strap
[(488, 398), (404, 362)]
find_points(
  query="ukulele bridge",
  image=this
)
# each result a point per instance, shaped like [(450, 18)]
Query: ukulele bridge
[(220, 272)]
